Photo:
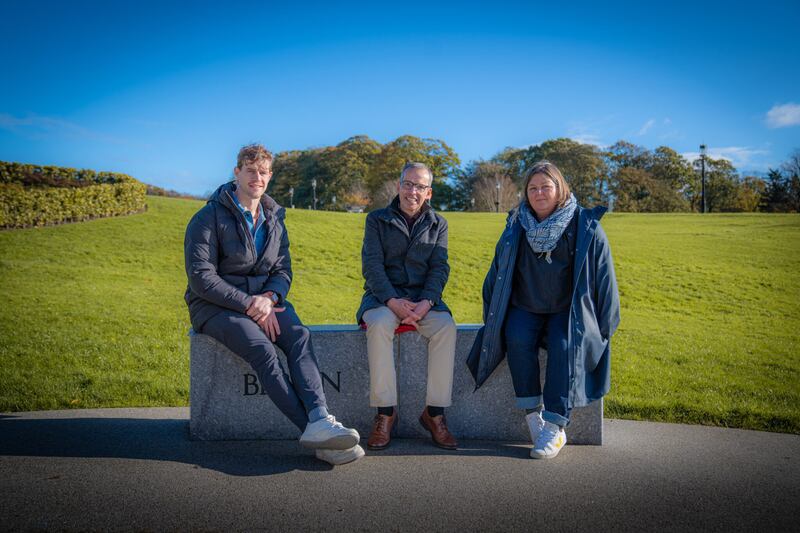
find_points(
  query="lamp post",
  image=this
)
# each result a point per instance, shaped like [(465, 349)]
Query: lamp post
[(333, 199), (472, 203), (314, 187), (497, 197), (703, 177), (291, 197)]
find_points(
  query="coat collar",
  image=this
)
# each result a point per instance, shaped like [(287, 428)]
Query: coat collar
[(587, 226), (392, 215), (224, 196)]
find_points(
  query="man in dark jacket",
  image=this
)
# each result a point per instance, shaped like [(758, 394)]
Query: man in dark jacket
[(404, 262), (239, 269)]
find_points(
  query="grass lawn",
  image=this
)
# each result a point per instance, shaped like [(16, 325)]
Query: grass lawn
[(93, 313)]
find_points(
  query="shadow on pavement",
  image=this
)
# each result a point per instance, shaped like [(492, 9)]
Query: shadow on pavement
[(149, 439), (168, 440)]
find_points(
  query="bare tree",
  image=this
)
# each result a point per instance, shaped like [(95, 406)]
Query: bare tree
[(486, 193), (383, 195), (792, 165)]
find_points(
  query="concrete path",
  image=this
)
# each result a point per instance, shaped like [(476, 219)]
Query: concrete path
[(136, 469)]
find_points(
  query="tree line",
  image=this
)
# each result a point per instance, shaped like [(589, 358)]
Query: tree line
[(362, 173)]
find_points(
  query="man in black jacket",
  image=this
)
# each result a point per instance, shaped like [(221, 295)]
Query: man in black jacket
[(404, 262), (239, 269)]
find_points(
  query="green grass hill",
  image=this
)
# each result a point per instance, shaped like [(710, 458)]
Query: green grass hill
[(93, 313)]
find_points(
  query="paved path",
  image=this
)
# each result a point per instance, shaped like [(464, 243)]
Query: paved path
[(135, 469)]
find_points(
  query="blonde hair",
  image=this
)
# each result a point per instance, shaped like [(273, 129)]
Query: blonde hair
[(551, 171)]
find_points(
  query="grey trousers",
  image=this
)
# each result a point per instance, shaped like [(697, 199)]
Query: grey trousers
[(246, 339)]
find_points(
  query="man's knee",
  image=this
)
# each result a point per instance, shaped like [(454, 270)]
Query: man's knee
[(439, 323), (381, 319), (297, 334)]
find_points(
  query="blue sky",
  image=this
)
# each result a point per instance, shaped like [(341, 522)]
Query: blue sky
[(168, 92)]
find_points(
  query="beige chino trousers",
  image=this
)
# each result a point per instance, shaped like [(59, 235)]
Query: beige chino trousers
[(440, 330)]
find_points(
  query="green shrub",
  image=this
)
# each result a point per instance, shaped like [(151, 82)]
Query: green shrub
[(36, 196)]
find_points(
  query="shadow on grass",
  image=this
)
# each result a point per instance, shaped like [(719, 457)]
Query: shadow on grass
[(168, 440)]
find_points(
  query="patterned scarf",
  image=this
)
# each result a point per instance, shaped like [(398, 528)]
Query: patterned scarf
[(543, 236)]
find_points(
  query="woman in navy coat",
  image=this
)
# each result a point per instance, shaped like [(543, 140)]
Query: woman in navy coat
[(551, 282)]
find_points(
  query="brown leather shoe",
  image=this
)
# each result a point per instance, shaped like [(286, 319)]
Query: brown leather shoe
[(381, 434), (439, 432)]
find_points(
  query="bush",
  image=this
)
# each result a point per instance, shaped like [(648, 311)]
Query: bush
[(36, 196)]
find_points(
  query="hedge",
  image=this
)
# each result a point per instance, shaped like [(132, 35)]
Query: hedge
[(36, 196)]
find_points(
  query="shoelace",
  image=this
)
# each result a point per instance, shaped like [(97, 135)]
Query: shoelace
[(547, 434), (334, 423), (382, 422)]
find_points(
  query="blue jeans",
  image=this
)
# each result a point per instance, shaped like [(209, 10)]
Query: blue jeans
[(524, 332)]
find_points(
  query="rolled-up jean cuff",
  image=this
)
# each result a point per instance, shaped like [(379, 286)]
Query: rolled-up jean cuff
[(530, 402), (555, 418)]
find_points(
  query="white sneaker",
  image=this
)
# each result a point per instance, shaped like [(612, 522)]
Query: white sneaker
[(550, 441), (535, 424), (329, 434), (340, 457)]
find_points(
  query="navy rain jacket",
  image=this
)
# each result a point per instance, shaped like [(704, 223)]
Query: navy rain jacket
[(594, 313)]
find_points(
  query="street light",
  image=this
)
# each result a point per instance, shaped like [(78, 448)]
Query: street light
[(703, 176), (472, 203), (497, 198), (314, 186), (291, 197)]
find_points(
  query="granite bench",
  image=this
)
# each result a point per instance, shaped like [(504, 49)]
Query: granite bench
[(227, 403)]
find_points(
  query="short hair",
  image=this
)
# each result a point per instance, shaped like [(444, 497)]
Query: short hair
[(411, 164), (551, 171), (254, 153)]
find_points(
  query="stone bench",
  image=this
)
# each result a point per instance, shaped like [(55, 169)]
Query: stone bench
[(227, 402)]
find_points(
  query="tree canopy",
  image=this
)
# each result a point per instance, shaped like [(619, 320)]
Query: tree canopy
[(361, 173)]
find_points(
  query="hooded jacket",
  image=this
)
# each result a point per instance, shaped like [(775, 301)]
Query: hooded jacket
[(221, 263), (594, 308), (397, 263)]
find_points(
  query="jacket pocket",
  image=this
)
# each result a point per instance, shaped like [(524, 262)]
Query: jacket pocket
[(593, 343)]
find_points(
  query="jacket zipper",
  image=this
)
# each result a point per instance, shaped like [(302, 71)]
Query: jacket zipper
[(243, 224)]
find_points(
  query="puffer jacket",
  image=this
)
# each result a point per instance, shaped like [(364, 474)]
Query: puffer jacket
[(221, 263)]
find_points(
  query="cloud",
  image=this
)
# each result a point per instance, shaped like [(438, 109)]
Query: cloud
[(587, 138), (588, 131), (40, 127), (739, 156), (647, 125), (34, 122), (783, 116)]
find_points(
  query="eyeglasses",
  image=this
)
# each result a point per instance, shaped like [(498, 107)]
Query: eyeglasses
[(410, 186), (547, 189)]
